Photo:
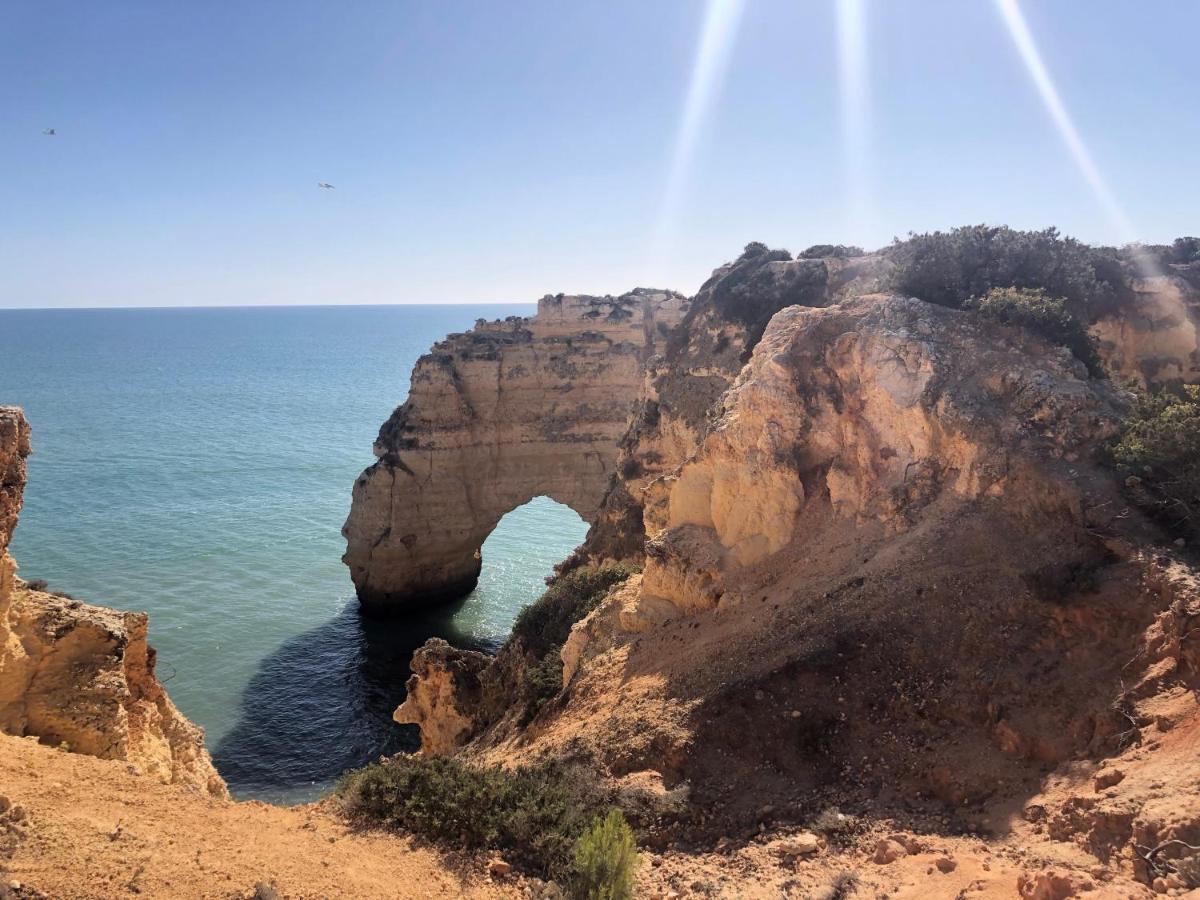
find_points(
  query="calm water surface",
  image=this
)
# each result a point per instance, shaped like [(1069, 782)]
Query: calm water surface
[(197, 464)]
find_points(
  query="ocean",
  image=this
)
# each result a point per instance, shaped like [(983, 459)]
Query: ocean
[(197, 464)]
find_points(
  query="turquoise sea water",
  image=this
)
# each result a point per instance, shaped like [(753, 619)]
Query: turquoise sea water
[(197, 464)]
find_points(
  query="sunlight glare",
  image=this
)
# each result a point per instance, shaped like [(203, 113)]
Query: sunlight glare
[(855, 112), (721, 19), (1018, 29)]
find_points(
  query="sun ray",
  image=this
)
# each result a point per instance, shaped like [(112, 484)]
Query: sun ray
[(1018, 29), (721, 20), (855, 111)]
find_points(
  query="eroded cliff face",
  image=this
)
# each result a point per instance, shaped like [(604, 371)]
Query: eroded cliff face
[(684, 384), (82, 676), (873, 408), (499, 415), (1154, 336), (888, 571), (444, 696)]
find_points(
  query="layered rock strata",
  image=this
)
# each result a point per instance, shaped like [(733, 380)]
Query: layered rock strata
[(506, 412), (872, 459), (79, 676), (885, 569), (593, 399)]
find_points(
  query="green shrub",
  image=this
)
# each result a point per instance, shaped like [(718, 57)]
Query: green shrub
[(543, 625), (1185, 250), (751, 292), (831, 251), (604, 860), (1160, 445), (947, 268), (757, 250), (534, 815), (1045, 316), (542, 682)]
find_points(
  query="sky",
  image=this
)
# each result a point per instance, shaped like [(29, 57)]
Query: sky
[(484, 151)]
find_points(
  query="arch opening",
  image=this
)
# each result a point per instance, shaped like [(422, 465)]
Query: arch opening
[(517, 555)]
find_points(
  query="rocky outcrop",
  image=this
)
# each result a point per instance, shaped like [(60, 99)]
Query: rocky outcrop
[(444, 695), (874, 407), (684, 385), (1150, 336), (1154, 337), (594, 399), (14, 448), (506, 412), (885, 568), (79, 676)]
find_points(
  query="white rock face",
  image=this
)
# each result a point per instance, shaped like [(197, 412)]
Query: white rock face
[(499, 415)]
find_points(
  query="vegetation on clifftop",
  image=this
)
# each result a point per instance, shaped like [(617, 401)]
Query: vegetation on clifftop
[(950, 267), (543, 625), (1160, 449), (1045, 316), (552, 820), (541, 628)]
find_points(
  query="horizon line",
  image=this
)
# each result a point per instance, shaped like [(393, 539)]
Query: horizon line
[(4, 309)]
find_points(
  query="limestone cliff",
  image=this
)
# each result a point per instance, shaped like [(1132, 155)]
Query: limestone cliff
[(499, 415), (682, 387), (875, 408), (443, 695), (1154, 337), (82, 676), (593, 399), (884, 566), (1150, 336)]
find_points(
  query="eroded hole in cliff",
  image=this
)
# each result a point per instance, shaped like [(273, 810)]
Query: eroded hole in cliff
[(517, 556), (322, 703)]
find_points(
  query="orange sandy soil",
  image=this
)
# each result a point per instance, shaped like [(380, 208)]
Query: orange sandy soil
[(1013, 857), (88, 828), (93, 830)]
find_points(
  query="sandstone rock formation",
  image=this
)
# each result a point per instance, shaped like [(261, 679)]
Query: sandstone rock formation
[(443, 695), (504, 413), (682, 387), (593, 399), (874, 408), (82, 676), (884, 566), (1154, 337)]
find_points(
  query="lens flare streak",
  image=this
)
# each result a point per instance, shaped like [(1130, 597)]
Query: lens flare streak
[(855, 109), (721, 20), (1018, 29)]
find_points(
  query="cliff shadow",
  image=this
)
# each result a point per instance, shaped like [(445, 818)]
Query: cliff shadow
[(322, 704)]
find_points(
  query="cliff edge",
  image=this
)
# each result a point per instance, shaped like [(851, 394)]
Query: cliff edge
[(889, 574), (82, 677)]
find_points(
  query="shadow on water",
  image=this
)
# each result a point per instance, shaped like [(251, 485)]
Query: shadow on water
[(323, 703)]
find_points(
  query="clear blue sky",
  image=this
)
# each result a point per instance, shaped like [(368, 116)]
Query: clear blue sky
[(496, 151)]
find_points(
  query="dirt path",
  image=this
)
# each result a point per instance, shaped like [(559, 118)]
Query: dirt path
[(93, 830)]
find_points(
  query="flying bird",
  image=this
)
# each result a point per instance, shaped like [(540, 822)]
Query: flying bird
[(325, 184), (50, 131)]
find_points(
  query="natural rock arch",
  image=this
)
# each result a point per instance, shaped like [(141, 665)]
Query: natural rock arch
[(506, 412)]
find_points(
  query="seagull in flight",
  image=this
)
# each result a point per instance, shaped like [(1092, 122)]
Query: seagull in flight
[(325, 184), (50, 132)]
